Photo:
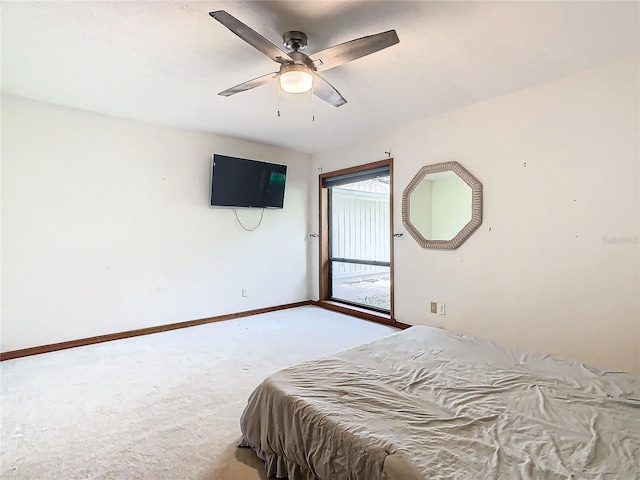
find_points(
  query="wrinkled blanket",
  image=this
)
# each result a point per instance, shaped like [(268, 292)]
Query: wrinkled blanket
[(426, 403)]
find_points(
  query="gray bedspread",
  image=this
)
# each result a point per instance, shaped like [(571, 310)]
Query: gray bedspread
[(429, 404)]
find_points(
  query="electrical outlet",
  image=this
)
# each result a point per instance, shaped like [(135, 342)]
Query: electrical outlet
[(434, 307), (244, 292), (441, 309)]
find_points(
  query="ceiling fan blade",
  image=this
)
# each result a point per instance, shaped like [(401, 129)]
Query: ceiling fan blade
[(348, 51), (256, 82), (252, 37), (324, 90)]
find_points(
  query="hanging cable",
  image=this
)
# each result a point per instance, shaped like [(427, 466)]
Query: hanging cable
[(249, 229)]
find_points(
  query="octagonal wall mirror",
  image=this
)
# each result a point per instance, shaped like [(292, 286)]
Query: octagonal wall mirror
[(442, 206)]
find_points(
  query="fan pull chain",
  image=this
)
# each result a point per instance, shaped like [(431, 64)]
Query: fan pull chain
[(313, 112), (279, 95)]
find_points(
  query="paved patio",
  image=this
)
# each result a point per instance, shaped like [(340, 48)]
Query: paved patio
[(370, 289)]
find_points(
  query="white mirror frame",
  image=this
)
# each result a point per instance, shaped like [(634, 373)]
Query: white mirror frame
[(476, 206)]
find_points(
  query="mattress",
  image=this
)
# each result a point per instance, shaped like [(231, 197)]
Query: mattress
[(426, 403)]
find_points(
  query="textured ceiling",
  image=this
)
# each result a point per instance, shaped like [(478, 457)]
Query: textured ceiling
[(165, 62)]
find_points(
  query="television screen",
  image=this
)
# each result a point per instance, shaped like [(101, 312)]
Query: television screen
[(238, 182)]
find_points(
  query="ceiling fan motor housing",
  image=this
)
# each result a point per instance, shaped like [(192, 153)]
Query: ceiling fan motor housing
[(300, 58), (295, 40)]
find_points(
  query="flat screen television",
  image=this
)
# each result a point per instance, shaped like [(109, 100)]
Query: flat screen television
[(239, 182)]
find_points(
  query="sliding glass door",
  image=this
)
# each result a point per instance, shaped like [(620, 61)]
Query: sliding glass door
[(358, 208)]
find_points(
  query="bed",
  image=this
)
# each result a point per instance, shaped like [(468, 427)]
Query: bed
[(426, 403)]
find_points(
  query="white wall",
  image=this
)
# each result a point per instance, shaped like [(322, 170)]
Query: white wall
[(555, 265), (106, 227)]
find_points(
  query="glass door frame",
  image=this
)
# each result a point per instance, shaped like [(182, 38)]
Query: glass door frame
[(324, 234)]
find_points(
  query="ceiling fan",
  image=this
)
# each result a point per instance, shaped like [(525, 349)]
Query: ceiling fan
[(298, 72)]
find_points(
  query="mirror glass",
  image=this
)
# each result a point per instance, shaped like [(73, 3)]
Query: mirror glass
[(440, 205)]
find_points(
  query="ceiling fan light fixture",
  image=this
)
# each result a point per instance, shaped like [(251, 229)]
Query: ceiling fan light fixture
[(295, 79)]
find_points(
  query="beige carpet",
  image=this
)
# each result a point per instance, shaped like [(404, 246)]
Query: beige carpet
[(163, 406)]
